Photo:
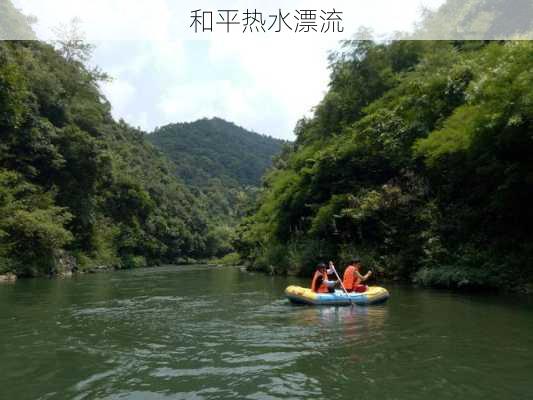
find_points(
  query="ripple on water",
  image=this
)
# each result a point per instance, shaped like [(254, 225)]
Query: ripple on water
[(290, 385), (148, 338), (169, 373), (273, 357)]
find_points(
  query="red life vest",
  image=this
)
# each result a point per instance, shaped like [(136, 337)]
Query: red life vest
[(323, 288)]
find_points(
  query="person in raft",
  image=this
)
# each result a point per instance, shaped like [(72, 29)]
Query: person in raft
[(332, 274), (352, 279), (320, 282)]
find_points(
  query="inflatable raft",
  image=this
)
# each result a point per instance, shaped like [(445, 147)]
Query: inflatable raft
[(300, 295)]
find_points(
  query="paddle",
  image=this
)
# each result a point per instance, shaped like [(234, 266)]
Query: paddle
[(340, 280)]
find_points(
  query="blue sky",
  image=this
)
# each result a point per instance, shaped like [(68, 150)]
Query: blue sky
[(161, 82), (163, 73)]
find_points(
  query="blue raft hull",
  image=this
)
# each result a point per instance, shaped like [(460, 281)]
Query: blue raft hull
[(300, 295)]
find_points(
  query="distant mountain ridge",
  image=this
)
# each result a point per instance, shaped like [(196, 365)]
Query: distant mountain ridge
[(210, 149)]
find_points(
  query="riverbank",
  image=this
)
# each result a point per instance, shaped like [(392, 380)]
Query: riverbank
[(66, 266), (9, 277), (381, 276)]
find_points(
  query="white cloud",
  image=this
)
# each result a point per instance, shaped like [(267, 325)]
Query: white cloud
[(105, 19), (120, 93), (167, 76), (171, 19), (219, 98), (293, 75)]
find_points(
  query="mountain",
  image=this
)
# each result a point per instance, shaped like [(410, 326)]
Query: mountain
[(210, 149), (222, 164), (75, 182), (79, 188), (417, 159)]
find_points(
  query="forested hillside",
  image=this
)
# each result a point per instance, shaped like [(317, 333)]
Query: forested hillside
[(221, 163), (74, 181), (489, 19), (418, 159), (210, 149)]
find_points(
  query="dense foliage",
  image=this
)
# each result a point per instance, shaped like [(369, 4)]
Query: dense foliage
[(418, 159), (210, 149), (74, 180), (222, 164), (475, 19)]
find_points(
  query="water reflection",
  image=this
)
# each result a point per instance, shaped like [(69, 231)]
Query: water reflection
[(349, 318), (208, 333)]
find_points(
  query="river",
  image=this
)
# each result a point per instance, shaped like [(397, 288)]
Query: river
[(222, 333)]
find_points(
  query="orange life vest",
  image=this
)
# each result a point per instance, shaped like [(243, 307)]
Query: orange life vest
[(323, 288), (350, 278)]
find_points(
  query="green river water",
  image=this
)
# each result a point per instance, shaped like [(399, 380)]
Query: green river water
[(221, 333)]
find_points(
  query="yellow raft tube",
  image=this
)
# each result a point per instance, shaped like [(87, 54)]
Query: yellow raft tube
[(300, 295)]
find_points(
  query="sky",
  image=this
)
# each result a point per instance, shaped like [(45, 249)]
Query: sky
[(163, 72)]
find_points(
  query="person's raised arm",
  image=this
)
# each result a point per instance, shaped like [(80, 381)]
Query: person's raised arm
[(364, 277), (368, 275)]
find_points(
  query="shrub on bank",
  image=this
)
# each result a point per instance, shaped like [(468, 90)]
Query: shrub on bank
[(131, 262), (231, 259)]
